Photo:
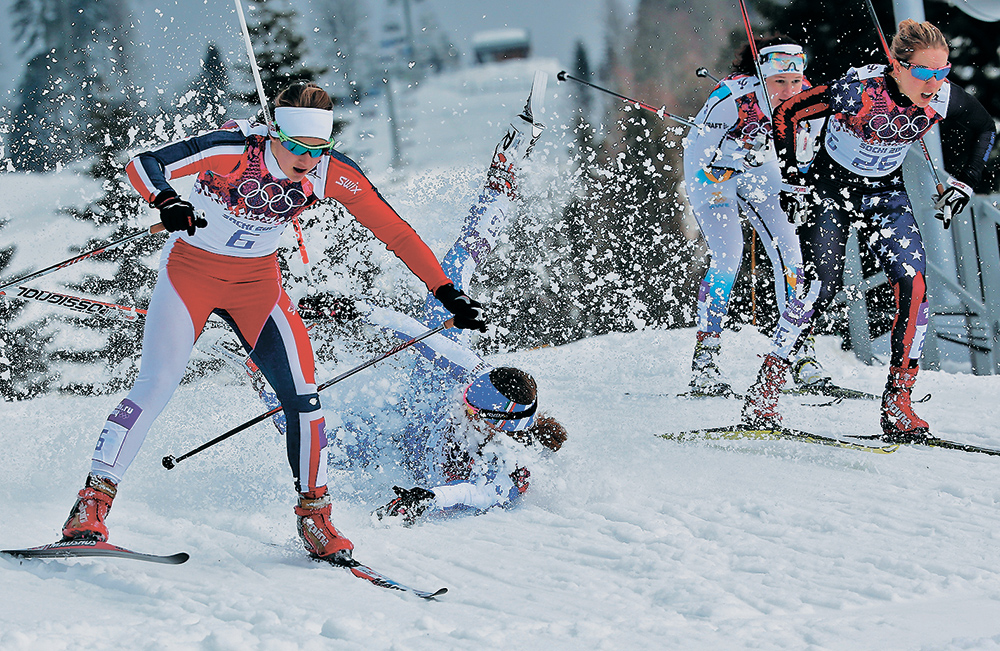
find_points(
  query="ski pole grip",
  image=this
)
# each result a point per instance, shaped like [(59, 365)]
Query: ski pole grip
[(169, 462), (450, 323), (157, 228), (561, 76)]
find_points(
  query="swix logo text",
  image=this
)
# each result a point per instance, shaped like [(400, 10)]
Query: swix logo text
[(353, 186)]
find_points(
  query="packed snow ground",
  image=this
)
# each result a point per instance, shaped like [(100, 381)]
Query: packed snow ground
[(625, 541)]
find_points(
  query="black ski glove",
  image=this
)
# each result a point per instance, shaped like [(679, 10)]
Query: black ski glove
[(469, 314), (409, 504), (327, 306), (952, 201), (177, 214), (793, 195)]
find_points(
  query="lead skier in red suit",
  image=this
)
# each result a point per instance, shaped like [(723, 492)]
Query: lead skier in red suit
[(221, 258)]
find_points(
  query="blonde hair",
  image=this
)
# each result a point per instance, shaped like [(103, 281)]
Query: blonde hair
[(913, 37), (304, 95)]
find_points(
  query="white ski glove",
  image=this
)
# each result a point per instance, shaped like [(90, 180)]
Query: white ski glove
[(794, 199), (756, 155), (952, 201)]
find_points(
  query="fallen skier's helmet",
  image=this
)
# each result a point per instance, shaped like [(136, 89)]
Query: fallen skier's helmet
[(505, 397)]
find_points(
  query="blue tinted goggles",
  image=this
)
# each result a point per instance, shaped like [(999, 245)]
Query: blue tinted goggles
[(923, 73), (298, 147)]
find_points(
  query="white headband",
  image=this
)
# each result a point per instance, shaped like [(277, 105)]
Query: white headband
[(299, 122), (779, 59)]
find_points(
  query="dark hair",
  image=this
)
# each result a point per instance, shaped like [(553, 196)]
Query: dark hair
[(743, 61), (548, 432), (545, 431), (514, 384), (304, 94), (913, 36)]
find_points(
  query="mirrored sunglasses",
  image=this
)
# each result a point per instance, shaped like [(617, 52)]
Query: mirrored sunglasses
[(785, 62), (923, 73), (298, 147)]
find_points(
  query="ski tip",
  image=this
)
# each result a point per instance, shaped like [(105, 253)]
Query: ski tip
[(431, 595)]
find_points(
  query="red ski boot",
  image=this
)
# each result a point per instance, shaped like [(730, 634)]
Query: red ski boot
[(760, 408), (899, 423), (318, 534), (86, 518)]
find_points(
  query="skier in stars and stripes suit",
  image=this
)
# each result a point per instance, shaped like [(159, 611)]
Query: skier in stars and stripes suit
[(875, 113)]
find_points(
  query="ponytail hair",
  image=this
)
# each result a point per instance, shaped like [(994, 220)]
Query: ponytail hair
[(913, 37), (548, 432)]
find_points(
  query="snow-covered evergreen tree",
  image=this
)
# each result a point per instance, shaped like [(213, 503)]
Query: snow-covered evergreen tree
[(280, 51), (70, 44), (23, 363), (204, 104)]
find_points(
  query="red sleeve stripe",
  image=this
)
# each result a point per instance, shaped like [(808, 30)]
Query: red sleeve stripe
[(140, 181)]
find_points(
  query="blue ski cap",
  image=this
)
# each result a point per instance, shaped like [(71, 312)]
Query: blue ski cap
[(505, 396)]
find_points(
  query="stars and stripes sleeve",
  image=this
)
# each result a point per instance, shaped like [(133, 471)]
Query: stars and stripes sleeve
[(151, 171)]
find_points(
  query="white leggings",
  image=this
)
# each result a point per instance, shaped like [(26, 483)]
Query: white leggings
[(716, 207)]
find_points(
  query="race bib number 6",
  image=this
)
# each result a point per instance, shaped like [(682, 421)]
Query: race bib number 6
[(242, 240)]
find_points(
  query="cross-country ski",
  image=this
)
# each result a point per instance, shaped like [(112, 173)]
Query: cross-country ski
[(362, 571), (734, 432), (93, 548)]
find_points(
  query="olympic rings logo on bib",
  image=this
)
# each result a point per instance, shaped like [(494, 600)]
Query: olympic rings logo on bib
[(901, 127), (270, 198), (752, 129)]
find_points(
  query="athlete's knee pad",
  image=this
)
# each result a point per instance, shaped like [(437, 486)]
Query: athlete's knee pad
[(301, 403)]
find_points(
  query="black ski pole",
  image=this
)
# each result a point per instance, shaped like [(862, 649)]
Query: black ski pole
[(85, 306), (661, 112), (155, 228), (703, 72), (170, 461)]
